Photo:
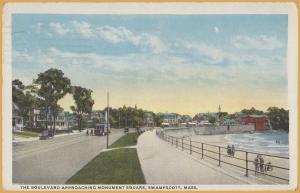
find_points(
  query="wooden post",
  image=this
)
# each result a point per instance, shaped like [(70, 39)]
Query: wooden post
[(202, 150), (219, 156), (246, 164), (190, 146)]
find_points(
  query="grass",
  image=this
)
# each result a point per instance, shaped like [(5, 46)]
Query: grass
[(119, 166), (27, 134), (129, 139)]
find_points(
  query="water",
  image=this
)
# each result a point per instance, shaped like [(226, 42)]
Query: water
[(270, 142)]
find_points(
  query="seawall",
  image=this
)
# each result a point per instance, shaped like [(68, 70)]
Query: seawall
[(209, 130)]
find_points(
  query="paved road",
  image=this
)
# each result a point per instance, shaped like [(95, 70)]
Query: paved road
[(55, 161)]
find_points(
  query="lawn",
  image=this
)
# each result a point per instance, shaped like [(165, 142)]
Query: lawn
[(27, 134), (120, 166), (129, 139)]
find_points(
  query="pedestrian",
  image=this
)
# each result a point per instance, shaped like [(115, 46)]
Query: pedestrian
[(87, 132), (228, 150), (256, 164), (261, 164), (232, 150), (92, 132)]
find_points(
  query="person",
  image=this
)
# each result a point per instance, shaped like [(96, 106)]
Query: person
[(92, 132), (256, 164), (87, 132), (232, 150), (268, 167), (228, 150), (261, 164)]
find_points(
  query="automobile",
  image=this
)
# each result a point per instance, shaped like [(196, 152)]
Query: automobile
[(101, 129), (44, 135)]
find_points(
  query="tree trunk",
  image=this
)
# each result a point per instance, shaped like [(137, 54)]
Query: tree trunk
[(54, 121), (46, 118)]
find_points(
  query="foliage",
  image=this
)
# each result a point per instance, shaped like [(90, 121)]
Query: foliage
[(279, 118), (83, 101), (119, 166), (23, 98), (212, 119), (252, 111), (52, 86)]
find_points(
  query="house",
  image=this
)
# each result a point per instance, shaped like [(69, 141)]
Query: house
[(70, 120), (149, 119), (96, 116), (228, 121), (17, 119), (185, 119), (261, 122), (37, 119), (169, 119)]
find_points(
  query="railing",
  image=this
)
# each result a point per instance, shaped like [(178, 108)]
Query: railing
[(216, 153)]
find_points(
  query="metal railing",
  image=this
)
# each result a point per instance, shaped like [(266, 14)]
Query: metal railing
[(205, 150)]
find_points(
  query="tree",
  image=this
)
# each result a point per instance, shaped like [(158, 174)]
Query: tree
[(24, 98), (212, 119), (279, 118), (84, 103), (158, 119), (53, 86), (252, 111)]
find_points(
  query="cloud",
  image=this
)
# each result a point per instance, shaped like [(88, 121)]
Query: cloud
[(83, 28), (114, 35), (216, 29), (248, 70), (208, 53), (58, 28), (262, 42)]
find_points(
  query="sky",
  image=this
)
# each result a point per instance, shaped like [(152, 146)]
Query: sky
[(164, 63)]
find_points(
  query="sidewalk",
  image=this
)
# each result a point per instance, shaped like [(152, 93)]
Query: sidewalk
[(164, 164), (18, 139)]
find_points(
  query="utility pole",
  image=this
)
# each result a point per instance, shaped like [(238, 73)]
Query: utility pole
[(107, 120), (119, 119)]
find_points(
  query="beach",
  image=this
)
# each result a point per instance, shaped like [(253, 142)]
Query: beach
[(211, 153)]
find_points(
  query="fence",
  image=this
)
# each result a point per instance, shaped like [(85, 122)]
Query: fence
[(240, 159)]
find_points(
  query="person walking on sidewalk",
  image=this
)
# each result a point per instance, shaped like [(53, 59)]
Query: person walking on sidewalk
[(256, 164), (261, 164)]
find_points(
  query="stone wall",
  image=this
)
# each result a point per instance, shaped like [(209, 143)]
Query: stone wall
[(209, 130)]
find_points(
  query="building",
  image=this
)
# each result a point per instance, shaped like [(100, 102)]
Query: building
[(228, 121), (70, 120), (149, 119), (37, 119), (261, 122), (169, 119), (185, 119), (17, 119), (96, 117)]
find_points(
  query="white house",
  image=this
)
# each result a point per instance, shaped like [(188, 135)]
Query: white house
[(38, 120), (17, 119)]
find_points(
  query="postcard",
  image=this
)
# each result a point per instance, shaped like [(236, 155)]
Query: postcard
[(150, 96)]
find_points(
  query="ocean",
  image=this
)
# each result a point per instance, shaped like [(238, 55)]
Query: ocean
[(269, 142)]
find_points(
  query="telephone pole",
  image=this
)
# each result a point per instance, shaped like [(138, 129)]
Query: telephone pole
[(107, 120)]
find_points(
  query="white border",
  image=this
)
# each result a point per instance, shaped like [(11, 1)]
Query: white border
[(157, 8)]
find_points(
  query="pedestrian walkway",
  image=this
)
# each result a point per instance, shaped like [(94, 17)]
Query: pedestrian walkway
[(19, 139), (164, 164)]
